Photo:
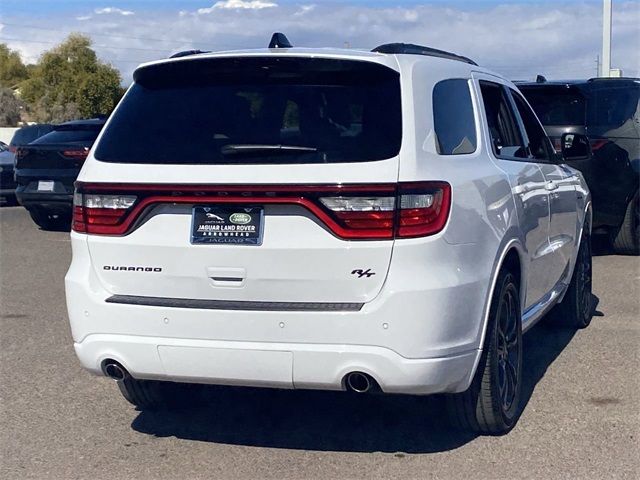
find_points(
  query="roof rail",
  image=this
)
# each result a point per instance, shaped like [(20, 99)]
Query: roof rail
[(605, 79), (411, 49), (186, 53)]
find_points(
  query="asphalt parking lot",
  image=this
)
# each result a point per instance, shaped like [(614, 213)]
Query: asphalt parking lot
[(582, 418)]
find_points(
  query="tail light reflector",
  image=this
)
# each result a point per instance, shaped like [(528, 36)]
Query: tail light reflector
[(424, 209), (98, 213), (359, 212), (76, 154), (598, 143)]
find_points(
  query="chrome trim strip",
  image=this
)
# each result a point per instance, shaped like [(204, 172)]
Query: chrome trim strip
[(234, 305)]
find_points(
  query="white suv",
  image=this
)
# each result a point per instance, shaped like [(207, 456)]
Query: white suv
[(326, 219)]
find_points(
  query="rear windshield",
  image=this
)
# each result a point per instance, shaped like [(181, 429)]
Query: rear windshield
[(255, 111), (27, 135), (85, 134), (611, 107), (557, 105)]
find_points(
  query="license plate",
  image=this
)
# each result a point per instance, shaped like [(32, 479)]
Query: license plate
[(238, 225), (45, 185)]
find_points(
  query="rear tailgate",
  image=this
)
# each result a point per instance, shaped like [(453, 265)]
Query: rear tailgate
[(309, 150)]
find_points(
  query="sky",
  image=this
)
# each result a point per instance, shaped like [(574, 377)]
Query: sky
[(519, 39)]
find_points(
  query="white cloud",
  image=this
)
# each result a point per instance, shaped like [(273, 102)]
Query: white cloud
[(238, 4), (304, 9), (108, 10), (518, 40), (82, 18)]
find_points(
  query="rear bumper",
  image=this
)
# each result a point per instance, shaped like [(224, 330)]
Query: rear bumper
[(279, 365), (420, 335), (51, 200)]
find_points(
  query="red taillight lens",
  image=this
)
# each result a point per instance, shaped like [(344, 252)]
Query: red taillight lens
[(358, 212), (423, 208), (363, 216), (80, 154), (102, 214), (598, 143), (13, 148)]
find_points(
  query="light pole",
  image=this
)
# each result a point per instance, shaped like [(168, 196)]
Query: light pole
[(605, 66)]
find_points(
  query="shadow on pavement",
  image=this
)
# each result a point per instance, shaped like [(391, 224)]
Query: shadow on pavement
[(337, 421)]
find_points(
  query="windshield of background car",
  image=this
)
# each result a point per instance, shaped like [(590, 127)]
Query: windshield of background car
[(611, 106), (557, 105), (64, 134), (257, 110), (26, 135)]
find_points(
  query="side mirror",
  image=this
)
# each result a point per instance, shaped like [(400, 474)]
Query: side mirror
[(574, 147)]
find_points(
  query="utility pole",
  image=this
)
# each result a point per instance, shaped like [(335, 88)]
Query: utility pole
[(605, 68), (597, 65)]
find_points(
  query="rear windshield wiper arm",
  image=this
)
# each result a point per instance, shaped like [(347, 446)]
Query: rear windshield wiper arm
[(238, 148)]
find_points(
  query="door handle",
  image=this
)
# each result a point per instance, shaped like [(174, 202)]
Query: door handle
[(551, 185)]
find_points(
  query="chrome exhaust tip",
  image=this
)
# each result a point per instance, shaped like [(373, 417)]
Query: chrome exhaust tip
[(115, 371), (359, 382)]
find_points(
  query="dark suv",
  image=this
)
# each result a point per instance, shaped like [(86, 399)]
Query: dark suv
[(47, 168), (608, 111)]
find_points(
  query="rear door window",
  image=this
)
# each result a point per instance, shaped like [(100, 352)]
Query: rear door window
[(453, 118), (539, 145), (612, 106), (257, 110), (505, 134), (557, 105)]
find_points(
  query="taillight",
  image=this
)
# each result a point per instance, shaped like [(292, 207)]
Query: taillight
[(358, 212), (423, 208), (415, 210), (13, 148), (77, 154), (598, 143), (98, 213), (363, 217)]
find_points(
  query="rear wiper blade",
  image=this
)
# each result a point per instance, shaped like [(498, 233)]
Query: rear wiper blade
[(238, 148)]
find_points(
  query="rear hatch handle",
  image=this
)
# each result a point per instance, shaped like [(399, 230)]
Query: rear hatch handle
[(226, 276)]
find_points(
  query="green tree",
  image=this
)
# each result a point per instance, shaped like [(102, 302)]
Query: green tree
[(70, 81), (10, 108), (12, 70)]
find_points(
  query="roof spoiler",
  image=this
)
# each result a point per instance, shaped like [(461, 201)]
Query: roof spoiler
[(186, 53), (412, 49)]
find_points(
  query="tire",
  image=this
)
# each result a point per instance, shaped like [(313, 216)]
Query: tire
[(627, 240), (156, 395), (492, 405), (50, 221), (576, 309)]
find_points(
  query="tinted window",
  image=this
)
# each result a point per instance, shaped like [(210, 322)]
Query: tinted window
[(503, 128), (539, 145), (557, 105), (27, 135), (85, 134), (611, 107), (243, 110), (453, 117)]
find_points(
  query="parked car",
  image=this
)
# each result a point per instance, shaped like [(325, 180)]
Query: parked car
[(47, 167), (608, 111), (390, 220), (7, 182), (25, 135)]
